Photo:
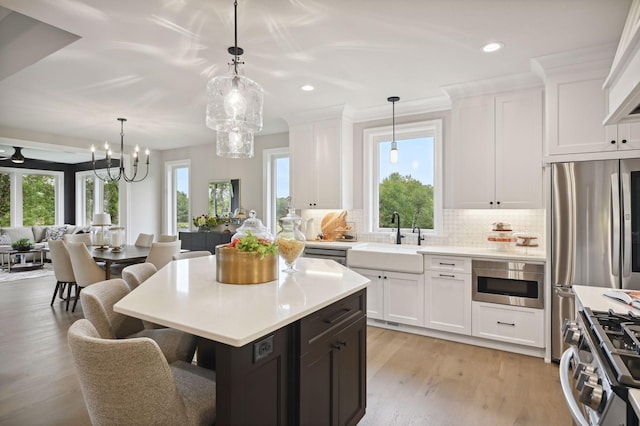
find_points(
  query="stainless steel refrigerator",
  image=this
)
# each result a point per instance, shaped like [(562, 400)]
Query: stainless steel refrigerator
[(595, 232)]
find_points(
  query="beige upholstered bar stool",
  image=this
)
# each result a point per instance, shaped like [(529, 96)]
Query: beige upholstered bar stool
[(129, 381), (136, 274)]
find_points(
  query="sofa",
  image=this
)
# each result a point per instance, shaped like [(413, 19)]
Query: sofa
[(38, 234)]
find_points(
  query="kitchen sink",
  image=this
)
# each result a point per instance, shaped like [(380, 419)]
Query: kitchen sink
[(387, 257)]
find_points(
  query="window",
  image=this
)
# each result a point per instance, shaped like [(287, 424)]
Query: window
[(31, 197), (93, 195), (178, 203), (413, 185), (277, 189)]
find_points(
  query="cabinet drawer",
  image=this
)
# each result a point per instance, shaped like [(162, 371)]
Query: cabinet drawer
[(448, 263), (524, 326), (325, 322)]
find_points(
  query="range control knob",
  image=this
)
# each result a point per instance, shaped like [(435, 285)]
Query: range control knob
[(567, 323), (592, 394), (582, 367), (572, 336), (584, 378)]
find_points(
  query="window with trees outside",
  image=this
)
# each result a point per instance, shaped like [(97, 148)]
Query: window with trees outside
[(413, 185), (277, 188), (220, 195), (30, 197), (178, 192), (93, 195)]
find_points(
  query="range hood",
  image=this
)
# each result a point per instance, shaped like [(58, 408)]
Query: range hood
[(623, 83)]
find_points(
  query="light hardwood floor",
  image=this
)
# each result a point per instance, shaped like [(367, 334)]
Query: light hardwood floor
[(411, 380)]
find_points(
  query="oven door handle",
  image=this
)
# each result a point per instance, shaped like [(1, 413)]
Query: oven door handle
[(565, 382)]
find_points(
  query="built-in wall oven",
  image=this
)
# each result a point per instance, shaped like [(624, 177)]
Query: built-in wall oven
[(508, 283)]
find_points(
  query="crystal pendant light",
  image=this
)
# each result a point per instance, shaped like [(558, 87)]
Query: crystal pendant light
[(234, 106), (393, 154)]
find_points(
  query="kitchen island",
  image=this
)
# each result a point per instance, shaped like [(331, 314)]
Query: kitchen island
[(279, 346)]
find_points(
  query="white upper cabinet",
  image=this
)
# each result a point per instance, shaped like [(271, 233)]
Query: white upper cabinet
[(576, 106), (321, 155), (497, 151)]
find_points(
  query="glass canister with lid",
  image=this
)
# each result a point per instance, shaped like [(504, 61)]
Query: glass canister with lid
[(254, 226), (290, 239)]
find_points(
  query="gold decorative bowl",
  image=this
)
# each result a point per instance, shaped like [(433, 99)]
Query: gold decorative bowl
[(239, 267)]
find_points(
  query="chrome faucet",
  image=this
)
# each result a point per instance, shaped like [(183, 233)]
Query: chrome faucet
[(393, 220), (420, 238)]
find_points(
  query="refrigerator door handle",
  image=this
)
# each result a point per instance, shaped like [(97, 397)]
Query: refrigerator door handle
[(625, 236), (615, 225)]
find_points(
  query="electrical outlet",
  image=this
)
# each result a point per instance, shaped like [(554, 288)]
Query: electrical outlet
[(262, 349)]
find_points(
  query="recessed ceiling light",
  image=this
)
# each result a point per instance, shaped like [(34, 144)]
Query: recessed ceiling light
[(307, 87), (492, 47)]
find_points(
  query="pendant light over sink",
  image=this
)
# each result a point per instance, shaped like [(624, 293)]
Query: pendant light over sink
[(234, 106), (393, 154)]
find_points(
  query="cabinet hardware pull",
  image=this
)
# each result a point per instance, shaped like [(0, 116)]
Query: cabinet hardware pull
[(447, 276), (613, 142), (339, 316), (447, 264), (385, 278), (342, 343), (506, 323), (624, 141), (379, 276), (490, 203), (498, 203), (338, 347)]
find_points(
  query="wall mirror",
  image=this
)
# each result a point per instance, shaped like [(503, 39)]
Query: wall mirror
[(224, 197)]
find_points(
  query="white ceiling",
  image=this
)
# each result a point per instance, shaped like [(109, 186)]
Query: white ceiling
[(150, 60)]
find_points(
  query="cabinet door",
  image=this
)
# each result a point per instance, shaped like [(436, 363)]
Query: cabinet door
[(629, 136), (518, 143), (576, 108), (375, 292), (327, 138), (302, 172), (352, 374), (404, 298), (448, 302), (513, 324), (473, 153), (318, 399)]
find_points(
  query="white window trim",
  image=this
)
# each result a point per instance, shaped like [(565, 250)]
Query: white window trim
[(98, 195), (15, 177), (371, 138), (269, 156), (170, 189)]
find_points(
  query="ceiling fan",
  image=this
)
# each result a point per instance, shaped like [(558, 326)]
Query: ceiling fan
[(17, 156)]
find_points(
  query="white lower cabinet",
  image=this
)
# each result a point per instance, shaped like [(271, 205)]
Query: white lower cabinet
[(447, 300), (395, 296), (513, 324)]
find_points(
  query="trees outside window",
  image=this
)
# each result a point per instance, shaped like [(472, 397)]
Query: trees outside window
[(38, 200), (220, 194), (31, 197), (413, 185), (94, 195), (177, 196), (5, 199)]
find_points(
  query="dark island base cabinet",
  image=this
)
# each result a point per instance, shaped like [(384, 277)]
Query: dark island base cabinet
[(311, 372), (204, 240)]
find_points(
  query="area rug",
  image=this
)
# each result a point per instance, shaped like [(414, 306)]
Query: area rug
[(47, 270)]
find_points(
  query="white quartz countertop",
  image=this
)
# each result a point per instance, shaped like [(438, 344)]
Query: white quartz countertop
[(515, 253), (593, 297), (186, 296)]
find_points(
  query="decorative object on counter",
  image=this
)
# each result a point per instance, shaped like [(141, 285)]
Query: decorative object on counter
[(526, 239), (234, 106), (250, 258), (100, 235), (23, 244), (117, 238), (290, 239), (393, 154), (501, 235), (334, 225), (121, 172), (205, 223)]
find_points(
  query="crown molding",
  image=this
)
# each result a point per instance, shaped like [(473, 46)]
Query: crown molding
[(506, 83), (595, 58), (421, 106), (343, 111)]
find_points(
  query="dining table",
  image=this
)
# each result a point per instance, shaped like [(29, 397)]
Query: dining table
[(128, 254)]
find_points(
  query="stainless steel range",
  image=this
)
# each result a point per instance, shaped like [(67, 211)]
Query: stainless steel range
[(600, 365)]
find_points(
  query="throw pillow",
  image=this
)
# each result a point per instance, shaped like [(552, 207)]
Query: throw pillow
[(5, 240), (54, 233)]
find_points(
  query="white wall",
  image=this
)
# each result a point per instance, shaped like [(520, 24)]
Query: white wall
[(207, 166), (144, 211)]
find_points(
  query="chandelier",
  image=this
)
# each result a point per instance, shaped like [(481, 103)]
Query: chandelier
[(121, 172), (234, 106), (393, 154)]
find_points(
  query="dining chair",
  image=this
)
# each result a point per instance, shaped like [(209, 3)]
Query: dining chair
[(191, 254), (143, 240), (136, 274), (162, 253), (78, 238), (62, 270), (85, 269), (130, 382), (97, 304), (167, 238)]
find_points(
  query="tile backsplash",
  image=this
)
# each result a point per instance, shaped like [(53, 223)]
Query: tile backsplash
[(467, 228)]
